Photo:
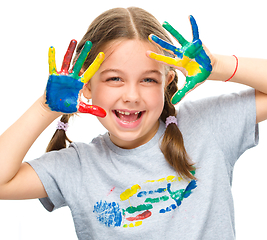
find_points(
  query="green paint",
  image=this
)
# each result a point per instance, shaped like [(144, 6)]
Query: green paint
[(193, 172), (191, 82), (175, 33), (66, 104), (156, 200), (177, 194), (139, 208), (81, 59)]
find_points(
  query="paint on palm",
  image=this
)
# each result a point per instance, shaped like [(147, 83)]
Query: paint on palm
[(140, 203), (191, 57), (63, 87)]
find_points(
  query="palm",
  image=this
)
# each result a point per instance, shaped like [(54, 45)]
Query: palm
[(63, 87), (191, 57)]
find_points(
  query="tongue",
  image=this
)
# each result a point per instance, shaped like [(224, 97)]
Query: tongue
[(128, 118)]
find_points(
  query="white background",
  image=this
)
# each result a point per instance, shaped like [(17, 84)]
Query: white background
[(29, 28)]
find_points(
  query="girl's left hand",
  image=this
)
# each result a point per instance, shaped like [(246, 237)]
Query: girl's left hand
[(191, 58)]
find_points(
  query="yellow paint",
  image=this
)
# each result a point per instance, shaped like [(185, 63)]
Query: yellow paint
[(161, 180), (89, 73), (168, 179), (138, 223), (52, 61), (130, 192), (191, 66), (161, 58)]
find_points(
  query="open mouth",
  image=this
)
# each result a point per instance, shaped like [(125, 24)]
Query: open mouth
[(128, 117)]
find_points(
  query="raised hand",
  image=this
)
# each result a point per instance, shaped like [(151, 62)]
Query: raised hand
[(63, 87), (191, 57)]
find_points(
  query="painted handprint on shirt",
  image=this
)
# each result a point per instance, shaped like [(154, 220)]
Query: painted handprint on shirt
[(63, 87), (142, 201), (191, 57)]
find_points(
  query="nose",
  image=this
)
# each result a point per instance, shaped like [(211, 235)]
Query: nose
[(131, 93)]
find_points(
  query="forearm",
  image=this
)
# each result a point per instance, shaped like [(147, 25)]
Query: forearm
[(250, 71), (17, 139)]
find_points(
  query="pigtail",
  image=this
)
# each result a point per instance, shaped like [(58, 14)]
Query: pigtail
[(172, 145), (59, 139)]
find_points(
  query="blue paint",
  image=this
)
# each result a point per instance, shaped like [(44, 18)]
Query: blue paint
[(62, 93), (168, 209), (144, 193), (179, 195), (167, 46), (108, 214), (193, 50), (194, 28), (192, 185)]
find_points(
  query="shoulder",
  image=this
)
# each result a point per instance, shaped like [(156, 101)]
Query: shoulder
[(96, 146), (218, 104)]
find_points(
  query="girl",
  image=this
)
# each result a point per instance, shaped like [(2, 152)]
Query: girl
[(157, 173)]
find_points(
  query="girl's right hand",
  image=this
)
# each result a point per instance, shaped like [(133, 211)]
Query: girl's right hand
[(64, 87)]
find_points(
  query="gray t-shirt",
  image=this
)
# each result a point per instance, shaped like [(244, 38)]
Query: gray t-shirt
[(116, 193)]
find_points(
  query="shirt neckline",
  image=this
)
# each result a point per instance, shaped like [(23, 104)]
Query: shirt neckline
[(142, 148)]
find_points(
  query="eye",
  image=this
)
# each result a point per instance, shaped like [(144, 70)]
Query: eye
[(149, 80), (115, 79)]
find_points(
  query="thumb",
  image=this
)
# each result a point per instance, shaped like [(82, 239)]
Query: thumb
[(92, 109)]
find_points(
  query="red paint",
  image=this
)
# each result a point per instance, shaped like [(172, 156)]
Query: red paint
[(68, 57), (92, 109), (141, 216), (111, 191)]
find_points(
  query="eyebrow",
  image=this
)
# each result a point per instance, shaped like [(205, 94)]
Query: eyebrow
[(144, 73)]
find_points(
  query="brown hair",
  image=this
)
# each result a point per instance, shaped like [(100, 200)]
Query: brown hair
[(134, 23)]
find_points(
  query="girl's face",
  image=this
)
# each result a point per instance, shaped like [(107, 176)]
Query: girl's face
[(130, 87)]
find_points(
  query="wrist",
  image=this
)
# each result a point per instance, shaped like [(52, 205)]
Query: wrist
[(45, 110), (223, 67)]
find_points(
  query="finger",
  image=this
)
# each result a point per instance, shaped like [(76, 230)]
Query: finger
[(68, 57), (92, 109), (179, 95), (79, 63), (89, 73), (52, 61), (194, 28), (168, 60), (191, 83), (165, 45), (175, 34)]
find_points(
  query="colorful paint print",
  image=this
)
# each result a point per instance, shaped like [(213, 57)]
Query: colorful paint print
[(191, 57), (138, 205), (63, 87)]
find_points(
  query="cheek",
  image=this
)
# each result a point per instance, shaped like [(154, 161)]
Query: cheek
[(99, 94), (155, 99)]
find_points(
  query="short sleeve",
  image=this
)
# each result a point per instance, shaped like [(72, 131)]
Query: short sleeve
[(56, 171), (230, 120)]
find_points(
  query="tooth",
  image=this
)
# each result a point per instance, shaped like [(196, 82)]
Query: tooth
[(127, 113)]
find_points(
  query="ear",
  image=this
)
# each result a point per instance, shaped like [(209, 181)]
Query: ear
[(170, 77), (86, 90)]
